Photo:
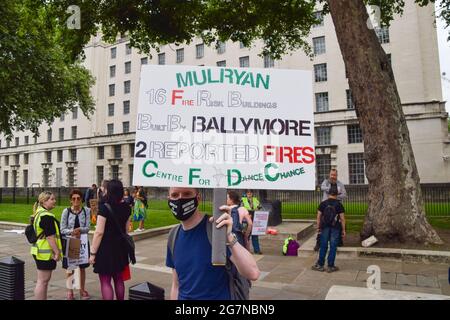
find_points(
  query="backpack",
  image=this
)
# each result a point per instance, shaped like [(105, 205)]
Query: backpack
[(290, 247), (239, 286), (329, 216), (30, 232)]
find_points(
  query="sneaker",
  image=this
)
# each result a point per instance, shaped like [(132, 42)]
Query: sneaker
[(318, 267), (70, 296), (332, 269), (138, 230), (84, 295)]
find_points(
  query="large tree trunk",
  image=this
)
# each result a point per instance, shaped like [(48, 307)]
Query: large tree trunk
[(396, 211)]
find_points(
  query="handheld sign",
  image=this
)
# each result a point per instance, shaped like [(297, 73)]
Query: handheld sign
[(260, 223), (210, 127)]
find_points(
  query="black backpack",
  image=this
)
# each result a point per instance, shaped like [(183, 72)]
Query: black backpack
[(30, 232), (329, 216), (239, 286)]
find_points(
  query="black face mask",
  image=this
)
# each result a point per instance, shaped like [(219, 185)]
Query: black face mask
[(183, 209)]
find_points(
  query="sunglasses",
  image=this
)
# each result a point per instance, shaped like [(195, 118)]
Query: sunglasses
[(76, 198)]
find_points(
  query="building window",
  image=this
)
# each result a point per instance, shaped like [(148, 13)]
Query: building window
[(382, 34), (75, 113), (199, 51), (110, 109), (241, 45), (115, 172), (5, 179), (26, 158), (127, 67), (59, 177), (222, 63), (25, 178), (8, 143), (127, 86), (101, 153), (26, 140), (117, 149), (48, 156), (162, 58), (61, 134), (6, 160), (244, 62), (180, 55), (110, 128), (100, 175), (74, 132), (17, 159), (350, 104), (49, 135), (323, 136), (319, 45), (35, 139), (17, 141), (112, 90), (112, 71), (322, 102), (144, 60), (62, 117), (320, 72), (356, 168), (318, 15), (323, 165), (268, 61), (71, 177), (113, 53), (126, 107), (46, 177), (221, 47), (130, 171), (59, 156), (73, 154), (14, 178), (126, 126), (131, 148), (354, 133), (127, 48)]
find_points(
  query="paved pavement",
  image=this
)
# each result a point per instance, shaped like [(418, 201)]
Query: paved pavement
[(281, 277)]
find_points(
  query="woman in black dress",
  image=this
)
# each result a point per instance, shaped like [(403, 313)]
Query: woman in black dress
[(109, 253)]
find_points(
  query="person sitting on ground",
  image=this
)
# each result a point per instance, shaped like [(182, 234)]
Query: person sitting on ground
[(330, 219)]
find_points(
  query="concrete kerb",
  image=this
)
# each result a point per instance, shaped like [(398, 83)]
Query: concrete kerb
[(136, 235)]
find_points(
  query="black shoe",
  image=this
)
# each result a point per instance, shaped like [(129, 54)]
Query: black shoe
[(318, 267), (332, 269)]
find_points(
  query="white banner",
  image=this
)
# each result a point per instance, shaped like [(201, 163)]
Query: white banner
[(260, 220), (213, 127), (84, 254)]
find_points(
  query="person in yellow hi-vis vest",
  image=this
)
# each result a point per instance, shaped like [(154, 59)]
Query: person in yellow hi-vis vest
[(251, 203), (47, 250)]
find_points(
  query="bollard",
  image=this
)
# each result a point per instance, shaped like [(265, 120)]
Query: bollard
[(145, 291), (12, 279)]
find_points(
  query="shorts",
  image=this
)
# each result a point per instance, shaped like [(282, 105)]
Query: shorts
[(45, 264)]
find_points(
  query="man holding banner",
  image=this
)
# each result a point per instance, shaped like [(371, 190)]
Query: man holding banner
[(221, 128), (189, 251)]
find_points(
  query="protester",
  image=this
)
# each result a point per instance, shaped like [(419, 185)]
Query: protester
[(47, 250), (75, 221), (193, 275), (109, 252), (90, 194), (242, 222), (342, 194), (129, 200), (140, 208), (330, 216), (251, 203)]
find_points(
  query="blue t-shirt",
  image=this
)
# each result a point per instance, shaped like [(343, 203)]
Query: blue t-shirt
[(198, 279)]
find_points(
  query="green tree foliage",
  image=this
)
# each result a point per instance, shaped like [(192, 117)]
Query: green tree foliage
[(38, 80)]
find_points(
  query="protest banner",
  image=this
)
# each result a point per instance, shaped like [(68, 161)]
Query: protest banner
[(211, 127), (77, 251), (260, 220)]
